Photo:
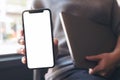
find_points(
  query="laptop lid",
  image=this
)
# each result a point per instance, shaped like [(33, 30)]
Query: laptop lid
[(85, 38)]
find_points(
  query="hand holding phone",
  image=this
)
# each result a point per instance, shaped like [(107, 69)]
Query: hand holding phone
[(22, 50)]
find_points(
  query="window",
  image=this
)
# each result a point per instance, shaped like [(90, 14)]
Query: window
[(11, 24), (118, 2)]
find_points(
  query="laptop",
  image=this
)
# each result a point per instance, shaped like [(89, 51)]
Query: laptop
[(85, 38)]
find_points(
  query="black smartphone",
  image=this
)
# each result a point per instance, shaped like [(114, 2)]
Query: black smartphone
[(38, 36)]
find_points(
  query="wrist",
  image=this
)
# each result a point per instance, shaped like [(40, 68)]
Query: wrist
[(116, 57)]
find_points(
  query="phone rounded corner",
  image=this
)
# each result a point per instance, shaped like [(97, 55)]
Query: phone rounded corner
[(24, 12), (53, 65)]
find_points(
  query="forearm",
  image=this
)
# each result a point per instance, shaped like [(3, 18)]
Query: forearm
[(116, 52)]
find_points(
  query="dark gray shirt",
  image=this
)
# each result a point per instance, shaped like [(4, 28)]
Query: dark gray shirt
[(106, 12)]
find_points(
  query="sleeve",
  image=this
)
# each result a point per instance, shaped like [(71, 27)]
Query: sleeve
[(116, 17)]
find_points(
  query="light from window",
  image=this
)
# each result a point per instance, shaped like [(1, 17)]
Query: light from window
[(10, 24)]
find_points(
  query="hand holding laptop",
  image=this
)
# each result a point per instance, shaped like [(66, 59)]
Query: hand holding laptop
[(106, 64), (90, 44)]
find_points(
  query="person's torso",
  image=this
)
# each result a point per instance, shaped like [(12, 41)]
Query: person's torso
[(98, 11)]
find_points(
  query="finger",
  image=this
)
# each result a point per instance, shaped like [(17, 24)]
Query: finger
[(96, 70), (21, 41), (104, 74), (55, 42), (21, 51), (55, 47), (21, 33), (93, 58), (23, 60), (90, 71)]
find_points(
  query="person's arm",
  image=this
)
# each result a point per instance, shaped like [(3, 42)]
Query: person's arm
[(107, 62), (116, 52)]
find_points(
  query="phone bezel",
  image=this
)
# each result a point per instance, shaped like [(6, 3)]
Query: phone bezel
[(39, 11)]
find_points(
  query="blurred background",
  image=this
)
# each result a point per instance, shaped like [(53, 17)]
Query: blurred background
[(11, 24)]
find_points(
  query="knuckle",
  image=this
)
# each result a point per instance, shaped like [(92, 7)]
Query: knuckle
[(102, 68)]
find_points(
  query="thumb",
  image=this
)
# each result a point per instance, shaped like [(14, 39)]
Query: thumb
[(93, 58), (55, 47), (95, 70), (55, 41)]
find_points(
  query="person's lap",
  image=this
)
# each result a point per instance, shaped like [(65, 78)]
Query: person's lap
[(78, 74), (65, 70), (115, 75)]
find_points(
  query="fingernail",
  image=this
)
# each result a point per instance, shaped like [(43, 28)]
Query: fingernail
[(23, 60), (90, 71), (55, 40)]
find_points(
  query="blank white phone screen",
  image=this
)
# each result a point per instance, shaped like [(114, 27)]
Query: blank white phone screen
[(38, 39)]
